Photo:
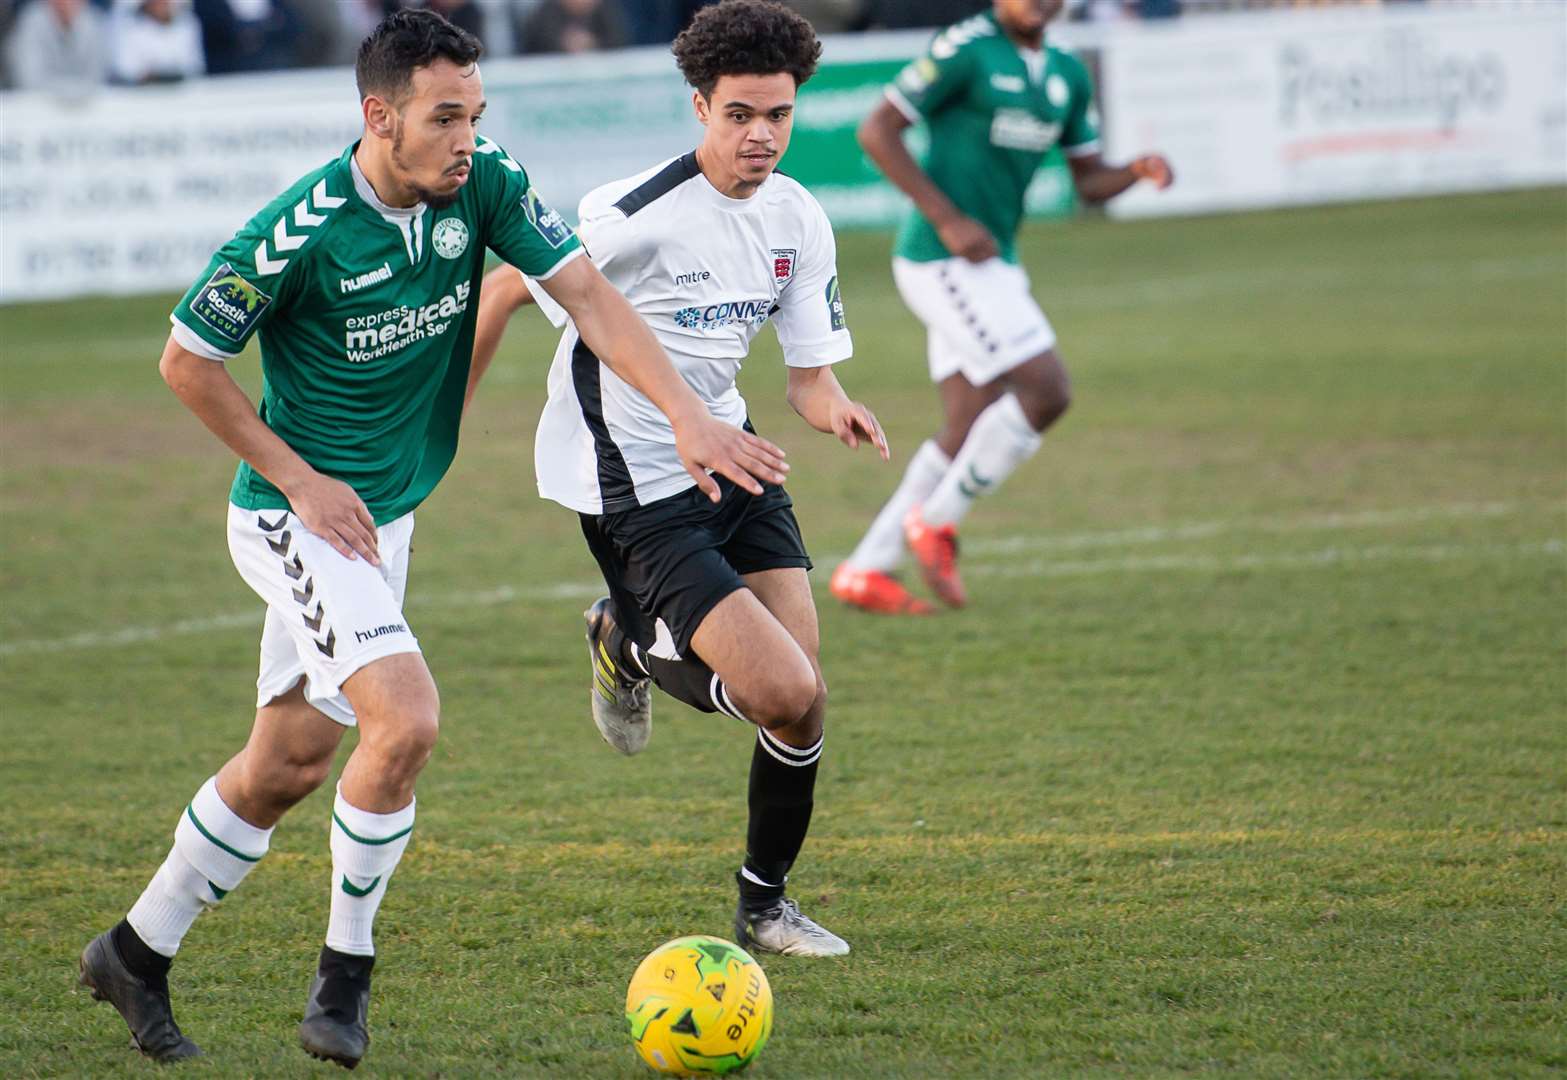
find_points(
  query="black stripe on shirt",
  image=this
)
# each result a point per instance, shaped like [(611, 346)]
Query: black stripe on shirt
[(659, 184), (615, 487)]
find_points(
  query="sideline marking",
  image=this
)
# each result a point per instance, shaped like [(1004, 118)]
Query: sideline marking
[(1010, 545)]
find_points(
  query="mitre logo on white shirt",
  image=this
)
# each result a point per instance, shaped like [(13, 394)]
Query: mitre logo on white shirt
[(707, 272)]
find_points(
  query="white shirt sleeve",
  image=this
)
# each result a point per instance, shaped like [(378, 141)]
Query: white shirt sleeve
[(595, 244), (191, 341), (810, 320)]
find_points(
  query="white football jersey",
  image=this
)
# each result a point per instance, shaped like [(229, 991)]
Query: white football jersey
[(706, 272)]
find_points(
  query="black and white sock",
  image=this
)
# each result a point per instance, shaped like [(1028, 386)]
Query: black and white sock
[(783, 785), (688, 680)]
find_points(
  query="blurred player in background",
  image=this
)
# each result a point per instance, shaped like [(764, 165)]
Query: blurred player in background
[(997, 99), (711, 602), (361, 281)]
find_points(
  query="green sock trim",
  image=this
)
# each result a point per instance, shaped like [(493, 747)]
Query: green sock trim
[(190, 812), (365, 839)]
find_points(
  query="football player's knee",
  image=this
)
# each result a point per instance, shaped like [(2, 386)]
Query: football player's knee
[(405, 744), (299, 777), (790, 699), (1045, 396)]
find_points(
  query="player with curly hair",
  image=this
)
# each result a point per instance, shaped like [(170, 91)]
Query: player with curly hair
[(709, 601)]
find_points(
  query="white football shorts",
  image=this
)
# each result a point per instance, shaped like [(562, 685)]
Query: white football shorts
[(327, 616), (980, 318)]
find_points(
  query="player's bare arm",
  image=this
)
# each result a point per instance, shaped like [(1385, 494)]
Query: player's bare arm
[(617, 335), (501, 295), (1097, 182), (881, 137), (327, 507), (818, 397)]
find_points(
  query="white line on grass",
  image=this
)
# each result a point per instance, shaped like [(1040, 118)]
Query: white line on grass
[(1205, 530), (1326, 557), (1300, 560)]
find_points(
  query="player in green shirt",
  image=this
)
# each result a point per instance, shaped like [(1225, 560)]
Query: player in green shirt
[(362, 283), (997, 98)]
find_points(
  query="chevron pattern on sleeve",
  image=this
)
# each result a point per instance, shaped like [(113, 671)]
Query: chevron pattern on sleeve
[(310, 213)]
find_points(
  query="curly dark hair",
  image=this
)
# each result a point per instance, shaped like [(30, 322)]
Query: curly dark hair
[(405, 41), (746, 37)]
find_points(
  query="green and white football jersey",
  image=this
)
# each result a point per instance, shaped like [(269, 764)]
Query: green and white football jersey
[(994, 112), (366, 317)]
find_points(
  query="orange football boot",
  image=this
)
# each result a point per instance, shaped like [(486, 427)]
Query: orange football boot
[(935, 548), (875, 591)]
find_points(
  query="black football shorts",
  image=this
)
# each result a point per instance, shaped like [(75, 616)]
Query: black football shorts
[(673, 560)]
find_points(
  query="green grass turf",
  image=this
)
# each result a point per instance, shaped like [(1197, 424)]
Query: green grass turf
[(1248, 758)]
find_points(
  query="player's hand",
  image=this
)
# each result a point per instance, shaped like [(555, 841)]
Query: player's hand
[(1155, 168), (749, 460), (968, 239), (853, 423), (335, 512)]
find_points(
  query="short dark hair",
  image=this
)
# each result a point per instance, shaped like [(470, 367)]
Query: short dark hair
[(405, 41), (746, 37)]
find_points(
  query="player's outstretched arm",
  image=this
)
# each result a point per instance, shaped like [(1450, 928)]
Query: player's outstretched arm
[(1097, 182), (327, 507), (818, 397), (881, 136), (618, 336), (501, 294)]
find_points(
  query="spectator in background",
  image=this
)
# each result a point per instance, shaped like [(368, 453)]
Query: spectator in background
[(248, 35), (464, 14), (833, 16), (58, 45), (155, 41), (571, 26), (906, 14), (356, 18)]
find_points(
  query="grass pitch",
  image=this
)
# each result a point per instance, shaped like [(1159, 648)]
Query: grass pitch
[(1248, 758)]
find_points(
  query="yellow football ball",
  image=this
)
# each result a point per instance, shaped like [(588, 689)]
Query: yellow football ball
[(699, 1006)]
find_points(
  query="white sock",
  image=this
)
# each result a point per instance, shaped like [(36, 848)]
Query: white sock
[(214, 848), (365, 851), (882, 547), (1000, 440)]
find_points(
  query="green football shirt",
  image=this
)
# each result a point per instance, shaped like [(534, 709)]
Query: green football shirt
[(366, 318), (993, 112)]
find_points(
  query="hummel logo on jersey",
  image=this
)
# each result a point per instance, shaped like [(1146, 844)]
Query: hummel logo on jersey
[(692, 278), (380, 631), (1007, 84), (728, 313), (374, 277)]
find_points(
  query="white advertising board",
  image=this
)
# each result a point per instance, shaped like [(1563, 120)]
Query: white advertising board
[(1305, 107), (132, 190)]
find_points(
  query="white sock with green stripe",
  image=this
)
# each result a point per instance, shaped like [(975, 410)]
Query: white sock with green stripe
[(365, 851), (214, 848), (1000, 440), (882, 546)]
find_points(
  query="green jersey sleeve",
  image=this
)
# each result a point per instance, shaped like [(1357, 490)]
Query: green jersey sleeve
[(935, 80), (248, 280), (1080, 133), (520, 226)]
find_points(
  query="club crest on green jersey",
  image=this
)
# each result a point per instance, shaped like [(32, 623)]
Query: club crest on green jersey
[(229, 304), (450, 237), (550, 224)]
